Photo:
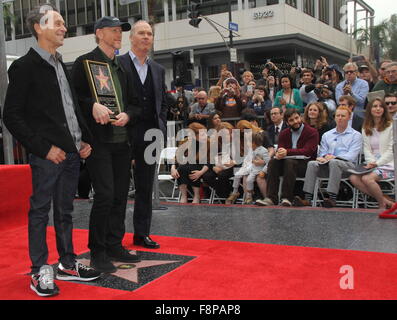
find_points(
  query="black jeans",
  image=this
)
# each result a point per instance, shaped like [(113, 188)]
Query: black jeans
[(109, 168), (220, 182), (56, 182)]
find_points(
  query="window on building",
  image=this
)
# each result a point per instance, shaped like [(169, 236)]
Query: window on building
[(323, 11), (81, 18), (25, 11), (71, 13), (122, 10), (340, 16), (7, 22), (91, 16), (134, 9), (62, 9), (292, 3), (308, 7), (18, 18), (213, 75)]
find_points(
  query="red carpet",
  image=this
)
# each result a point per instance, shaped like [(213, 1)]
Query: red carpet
[(223, 270), (16, 188)]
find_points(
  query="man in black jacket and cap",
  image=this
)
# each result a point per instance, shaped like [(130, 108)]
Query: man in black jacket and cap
[(110, 162)]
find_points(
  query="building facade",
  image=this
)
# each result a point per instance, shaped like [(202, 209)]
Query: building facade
[(286, 32)]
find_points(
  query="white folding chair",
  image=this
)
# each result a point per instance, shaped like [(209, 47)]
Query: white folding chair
[(166, 155)]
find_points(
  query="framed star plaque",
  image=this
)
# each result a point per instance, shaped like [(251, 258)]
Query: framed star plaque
[(102, 86)]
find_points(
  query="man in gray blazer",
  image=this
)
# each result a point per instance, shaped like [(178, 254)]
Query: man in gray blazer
[(147, 95)]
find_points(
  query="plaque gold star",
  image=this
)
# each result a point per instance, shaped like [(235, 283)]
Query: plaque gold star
[(103, 80)]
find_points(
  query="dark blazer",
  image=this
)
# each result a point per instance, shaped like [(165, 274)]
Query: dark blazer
[(307, 143), (86, 100), (271, 131), (357, 122), (33, 110), (158, 75)]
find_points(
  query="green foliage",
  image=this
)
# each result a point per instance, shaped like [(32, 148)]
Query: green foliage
[(383, 36)]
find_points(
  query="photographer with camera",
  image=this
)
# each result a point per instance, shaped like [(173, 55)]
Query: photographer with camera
[(202, 109), (260, 101), (230, 102)]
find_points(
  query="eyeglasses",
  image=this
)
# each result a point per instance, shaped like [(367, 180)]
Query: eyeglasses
[(391, 103)]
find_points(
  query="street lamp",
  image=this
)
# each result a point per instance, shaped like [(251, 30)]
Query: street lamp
[(351, 32)]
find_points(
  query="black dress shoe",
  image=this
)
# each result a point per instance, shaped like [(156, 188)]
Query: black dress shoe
[(145, 242), (122, 255), (101, 262)]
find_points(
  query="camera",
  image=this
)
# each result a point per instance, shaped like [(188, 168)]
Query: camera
[(269, 66), (298, 70)]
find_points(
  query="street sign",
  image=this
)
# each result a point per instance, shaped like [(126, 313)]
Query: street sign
[(233, 55), (233, 26)]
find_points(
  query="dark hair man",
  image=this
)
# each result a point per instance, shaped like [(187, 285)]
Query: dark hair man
[(391, 103), (42, 112), (299, 140), (110, 162), (147, 88)]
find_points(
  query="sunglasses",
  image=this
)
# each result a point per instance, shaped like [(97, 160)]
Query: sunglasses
[(391, 103), (350, 71)]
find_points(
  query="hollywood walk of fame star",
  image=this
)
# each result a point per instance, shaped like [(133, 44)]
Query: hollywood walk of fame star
[(103, 80), (132, 274)]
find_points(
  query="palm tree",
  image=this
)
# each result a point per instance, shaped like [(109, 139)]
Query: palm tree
[(382, 38)]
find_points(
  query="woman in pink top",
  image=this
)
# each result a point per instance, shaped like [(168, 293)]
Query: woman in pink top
[(378, 151)]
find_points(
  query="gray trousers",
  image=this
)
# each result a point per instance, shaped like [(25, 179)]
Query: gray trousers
[(335, 170)]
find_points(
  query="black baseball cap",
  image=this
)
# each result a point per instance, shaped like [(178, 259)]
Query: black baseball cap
[(363, 66), (110, 22)]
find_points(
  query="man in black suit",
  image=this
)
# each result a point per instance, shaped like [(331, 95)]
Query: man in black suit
[(42, 112), (356, 122), (147, 94), (278, 125), (110, 162)]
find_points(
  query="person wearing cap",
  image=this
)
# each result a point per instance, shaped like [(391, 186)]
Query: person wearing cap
[(326, 96), (353, 86), (147, 92), (230, 103), (365, 74), (110, 161), (332, 75), (42, 113)]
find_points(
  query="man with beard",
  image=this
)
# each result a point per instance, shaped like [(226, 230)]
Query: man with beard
[(296, 141)]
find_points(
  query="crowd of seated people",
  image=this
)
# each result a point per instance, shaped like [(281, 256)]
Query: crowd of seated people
[(337, 118)]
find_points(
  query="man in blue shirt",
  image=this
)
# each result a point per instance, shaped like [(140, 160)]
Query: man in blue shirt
[(353, 86), (339, 151)]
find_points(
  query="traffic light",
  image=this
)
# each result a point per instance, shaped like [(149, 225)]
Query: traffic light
[(183, 67), (194, 14)]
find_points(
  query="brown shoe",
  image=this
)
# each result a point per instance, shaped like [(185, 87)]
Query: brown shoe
[(232, 198), (329, 203), (299, 202)]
